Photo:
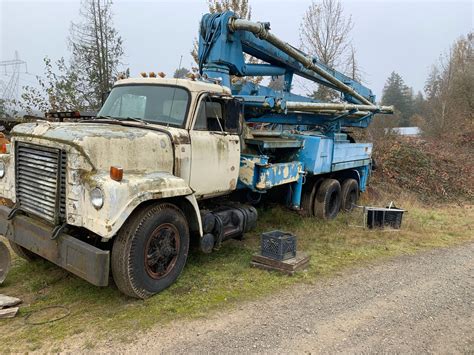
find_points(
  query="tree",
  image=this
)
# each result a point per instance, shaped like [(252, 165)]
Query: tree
[(277, 83), (3, 110), (419, 104), (396, 93), (96, 50), (242, 9), (181, 73), (353, 68), (56, 92), (418, 118), (449, 92), (325, 34)]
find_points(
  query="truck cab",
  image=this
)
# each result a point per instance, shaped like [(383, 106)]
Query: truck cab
[(204, 123)]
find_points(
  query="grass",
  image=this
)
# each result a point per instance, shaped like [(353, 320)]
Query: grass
[(215, 281)]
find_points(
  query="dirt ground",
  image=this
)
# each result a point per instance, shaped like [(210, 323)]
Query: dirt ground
[(410, 304)]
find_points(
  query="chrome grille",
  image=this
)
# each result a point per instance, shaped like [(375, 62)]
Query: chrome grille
[(41, 181)]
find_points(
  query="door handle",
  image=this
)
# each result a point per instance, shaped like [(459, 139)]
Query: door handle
[(218, 133)]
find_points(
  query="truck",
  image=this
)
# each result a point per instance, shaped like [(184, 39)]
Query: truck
[(169, 162)]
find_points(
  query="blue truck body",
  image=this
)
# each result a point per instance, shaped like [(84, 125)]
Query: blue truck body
[(303, 142)]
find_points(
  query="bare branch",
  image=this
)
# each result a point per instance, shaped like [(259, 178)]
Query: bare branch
[(325, 34)]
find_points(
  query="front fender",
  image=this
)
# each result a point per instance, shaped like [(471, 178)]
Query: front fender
[(121, 198)]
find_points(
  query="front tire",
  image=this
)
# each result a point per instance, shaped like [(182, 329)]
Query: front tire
[(150, 251)]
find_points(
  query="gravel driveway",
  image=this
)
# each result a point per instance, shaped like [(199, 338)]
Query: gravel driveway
[(410, 304)]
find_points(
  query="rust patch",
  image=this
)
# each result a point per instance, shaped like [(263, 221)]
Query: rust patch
[(177, 166), (157, 195), (233, 184), (181, 138)]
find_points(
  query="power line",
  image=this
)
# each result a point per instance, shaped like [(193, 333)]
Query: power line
[(9, 88)]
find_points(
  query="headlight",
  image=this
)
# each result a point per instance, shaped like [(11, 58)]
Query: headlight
[(2, 169), (97, 198)]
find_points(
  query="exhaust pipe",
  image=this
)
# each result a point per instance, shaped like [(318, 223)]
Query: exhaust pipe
[(4, 262)]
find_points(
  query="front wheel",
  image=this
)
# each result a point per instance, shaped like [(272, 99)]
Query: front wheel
[(150, 251)]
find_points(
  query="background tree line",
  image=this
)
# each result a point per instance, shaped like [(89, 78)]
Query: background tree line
[(446, 107)]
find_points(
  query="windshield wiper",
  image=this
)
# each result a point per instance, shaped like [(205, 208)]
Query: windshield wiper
[(121, 119), (107, 117), (134, 119)]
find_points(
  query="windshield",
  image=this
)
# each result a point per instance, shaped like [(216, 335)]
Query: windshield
[(153, 103)]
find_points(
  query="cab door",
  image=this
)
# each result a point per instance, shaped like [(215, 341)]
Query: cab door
[(215, 146)]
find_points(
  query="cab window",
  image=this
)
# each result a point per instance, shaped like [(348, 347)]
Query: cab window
[(210, 116), (217, 115)]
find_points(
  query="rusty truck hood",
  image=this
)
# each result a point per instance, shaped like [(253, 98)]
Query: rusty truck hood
[(134, 148)]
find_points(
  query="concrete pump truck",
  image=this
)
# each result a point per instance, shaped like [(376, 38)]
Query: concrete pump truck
[(170, 161)]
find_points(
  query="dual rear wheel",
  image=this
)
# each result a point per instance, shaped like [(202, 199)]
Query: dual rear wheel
[(325, 198)]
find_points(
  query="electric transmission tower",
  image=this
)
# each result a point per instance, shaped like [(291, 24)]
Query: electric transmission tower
[(11, 70)]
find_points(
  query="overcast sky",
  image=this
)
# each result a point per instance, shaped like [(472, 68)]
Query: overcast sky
[(402, 36)]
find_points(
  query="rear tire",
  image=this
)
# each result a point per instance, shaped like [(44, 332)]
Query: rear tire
[(350, 194), (307, 198), (150, 251), (328, 199), (23, 252)]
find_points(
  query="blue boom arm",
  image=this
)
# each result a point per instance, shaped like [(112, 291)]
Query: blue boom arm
[(224, 39)]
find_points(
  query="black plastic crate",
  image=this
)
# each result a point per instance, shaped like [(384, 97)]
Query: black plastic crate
[(384, 217), (278, 245)]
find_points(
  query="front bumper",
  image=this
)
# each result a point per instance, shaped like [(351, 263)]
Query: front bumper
[(84, 260)]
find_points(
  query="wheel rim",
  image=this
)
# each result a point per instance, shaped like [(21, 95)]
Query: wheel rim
[(161, 251)]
